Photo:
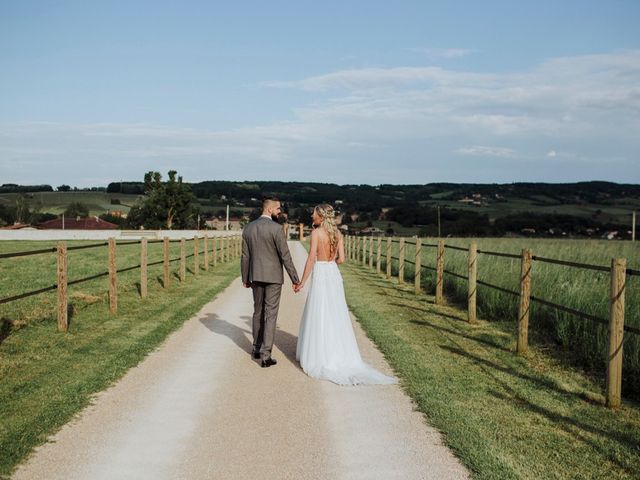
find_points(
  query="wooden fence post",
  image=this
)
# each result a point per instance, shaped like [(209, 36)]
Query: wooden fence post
[(473, 276), (371, 252), (113, 281), (205, 242), (183, 261), (525, 301), (301, 231), (63, 320), (196, 255), (364, 250), (417, 274), (616, 332), (143, 268), (440, 273), (388, 257), (378, 254), (353, 247), (165, 262), (356, 249), (238, 245), (215, 251), (401, 261)]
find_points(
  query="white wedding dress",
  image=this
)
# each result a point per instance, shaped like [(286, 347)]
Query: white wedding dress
[(327, 347)]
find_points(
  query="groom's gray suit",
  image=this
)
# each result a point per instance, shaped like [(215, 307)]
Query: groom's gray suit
[(264, 252)]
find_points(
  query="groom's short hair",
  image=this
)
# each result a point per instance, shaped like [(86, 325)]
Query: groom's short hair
[(269, 199)]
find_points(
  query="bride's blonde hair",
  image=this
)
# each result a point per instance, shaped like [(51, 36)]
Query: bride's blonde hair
[(328, 215)]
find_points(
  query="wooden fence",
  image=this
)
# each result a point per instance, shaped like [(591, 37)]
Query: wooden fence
[(360, 250), (214, 249)]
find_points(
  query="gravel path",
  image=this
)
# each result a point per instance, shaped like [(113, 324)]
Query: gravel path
[(201, 408)]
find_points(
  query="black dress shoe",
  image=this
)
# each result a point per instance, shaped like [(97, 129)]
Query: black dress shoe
[(268, 362), (255, 354)]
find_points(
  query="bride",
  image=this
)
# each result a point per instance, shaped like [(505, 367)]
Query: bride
[(327, 347)]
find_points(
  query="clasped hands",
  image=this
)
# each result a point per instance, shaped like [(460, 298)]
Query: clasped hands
[(296, 286)]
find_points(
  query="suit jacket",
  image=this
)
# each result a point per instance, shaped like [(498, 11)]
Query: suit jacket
[(264, 252)]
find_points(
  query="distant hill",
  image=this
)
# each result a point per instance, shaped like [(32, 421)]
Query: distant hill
[(468, 208)]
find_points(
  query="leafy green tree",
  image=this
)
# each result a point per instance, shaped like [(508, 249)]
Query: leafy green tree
[(107, 217), (23, 213), (76, 209), (167, 204), (64, 188)]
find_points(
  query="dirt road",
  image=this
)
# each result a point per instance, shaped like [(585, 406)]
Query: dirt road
[(201, 408)]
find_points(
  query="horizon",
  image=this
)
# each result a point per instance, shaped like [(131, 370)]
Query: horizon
[(330, 183), (361, 93)]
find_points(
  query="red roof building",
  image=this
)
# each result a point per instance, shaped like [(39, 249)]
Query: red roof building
[(16, 226), (87, 223)]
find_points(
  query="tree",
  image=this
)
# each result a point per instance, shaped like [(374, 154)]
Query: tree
[(76, 209), (22, 209), (167, 204), (64, 188)]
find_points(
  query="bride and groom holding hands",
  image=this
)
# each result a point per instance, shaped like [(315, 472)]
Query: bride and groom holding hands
[(327, 347)]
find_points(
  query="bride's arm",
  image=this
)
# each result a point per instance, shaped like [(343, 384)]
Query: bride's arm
[(311, 259), (340, 258)]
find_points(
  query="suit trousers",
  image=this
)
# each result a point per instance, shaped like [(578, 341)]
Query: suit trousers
[(266, 301)]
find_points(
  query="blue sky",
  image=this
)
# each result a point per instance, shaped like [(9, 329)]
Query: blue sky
[(346, 92)]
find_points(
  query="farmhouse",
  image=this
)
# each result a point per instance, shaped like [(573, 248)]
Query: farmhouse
[(87, 223), (17, 226)]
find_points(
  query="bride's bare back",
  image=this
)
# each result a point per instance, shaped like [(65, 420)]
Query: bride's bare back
[(323, 249)]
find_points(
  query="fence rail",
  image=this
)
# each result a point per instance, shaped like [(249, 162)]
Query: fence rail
[(223, 248), (357, 250)]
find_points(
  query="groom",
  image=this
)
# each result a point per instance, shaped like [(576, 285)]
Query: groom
[(264, 252)]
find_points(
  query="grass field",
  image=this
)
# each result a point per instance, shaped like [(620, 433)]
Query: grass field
[(504, 416), (46, 377), (617, 213), (56, 202), (583, 290)]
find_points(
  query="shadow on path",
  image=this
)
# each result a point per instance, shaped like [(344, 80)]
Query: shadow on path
[(243, 337)]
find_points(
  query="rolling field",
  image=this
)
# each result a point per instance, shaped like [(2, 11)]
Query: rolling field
[(56, 202)]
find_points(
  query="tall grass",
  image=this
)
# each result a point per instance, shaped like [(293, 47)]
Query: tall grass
[(580, 289)]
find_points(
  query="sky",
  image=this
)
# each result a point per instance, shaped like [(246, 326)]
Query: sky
[(347, 92)]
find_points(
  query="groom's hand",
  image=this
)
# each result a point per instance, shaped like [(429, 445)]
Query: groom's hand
[(247, 284)]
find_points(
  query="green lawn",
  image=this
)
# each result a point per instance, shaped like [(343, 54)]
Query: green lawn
[(56, 202), (46, 377), (503, 415)]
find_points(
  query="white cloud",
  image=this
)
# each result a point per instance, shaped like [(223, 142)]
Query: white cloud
[(444, 52), (551, 153), (399, 121), (479, 150)]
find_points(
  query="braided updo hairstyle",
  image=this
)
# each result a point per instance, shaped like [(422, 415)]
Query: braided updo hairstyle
[(328, 215)]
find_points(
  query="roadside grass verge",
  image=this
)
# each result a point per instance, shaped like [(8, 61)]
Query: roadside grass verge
[(504, 416), (47, 377)]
